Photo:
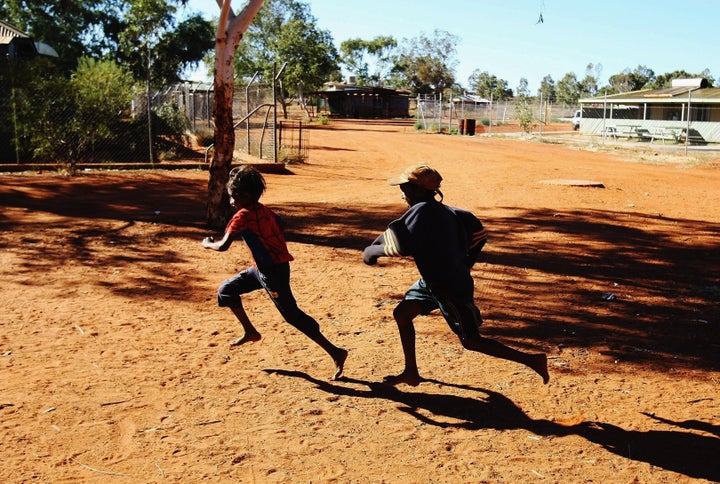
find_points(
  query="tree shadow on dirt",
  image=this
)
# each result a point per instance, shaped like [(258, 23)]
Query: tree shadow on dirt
[(153, 197), (687, 453), (123, 211)]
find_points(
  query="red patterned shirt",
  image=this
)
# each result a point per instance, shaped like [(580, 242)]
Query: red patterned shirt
[(260, 228)]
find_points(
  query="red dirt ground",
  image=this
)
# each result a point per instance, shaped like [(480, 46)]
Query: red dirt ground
[(115, 365)]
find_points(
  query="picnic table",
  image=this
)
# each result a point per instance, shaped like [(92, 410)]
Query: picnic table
[(628, 130), (609, 131), (665, 133)]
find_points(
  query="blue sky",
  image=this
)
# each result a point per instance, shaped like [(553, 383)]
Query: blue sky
[(504, 38)]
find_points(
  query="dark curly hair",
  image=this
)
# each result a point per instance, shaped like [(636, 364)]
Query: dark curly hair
[(246, 179)]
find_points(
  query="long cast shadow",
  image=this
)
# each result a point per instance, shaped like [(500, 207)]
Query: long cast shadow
[(687, 453)]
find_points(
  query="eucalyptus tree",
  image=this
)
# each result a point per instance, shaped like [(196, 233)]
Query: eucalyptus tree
[(286, 32), (369, 60), (426, 64), (230, 30), (568, 90), (547, 89), (630, 80), (665, 80), (590, 84), (523, 89), (489, 86)]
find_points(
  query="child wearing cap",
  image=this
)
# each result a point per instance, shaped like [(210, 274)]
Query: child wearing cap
[(260, 228), (445, 242)]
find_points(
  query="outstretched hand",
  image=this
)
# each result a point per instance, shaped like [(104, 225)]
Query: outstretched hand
[(368, 257)]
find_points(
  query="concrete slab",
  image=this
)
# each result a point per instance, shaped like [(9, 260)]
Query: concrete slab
[(574, 183)]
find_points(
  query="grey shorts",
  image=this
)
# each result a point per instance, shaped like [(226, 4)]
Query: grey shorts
[(463, 317)]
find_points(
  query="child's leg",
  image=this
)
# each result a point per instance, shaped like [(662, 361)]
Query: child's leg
[(277, 284), (229, 295), (339, 355), (310, 328), (404, 314), (465, 319), (251, 334)]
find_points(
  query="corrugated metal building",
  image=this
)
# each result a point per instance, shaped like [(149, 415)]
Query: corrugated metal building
[(352, 101), (687, 109)]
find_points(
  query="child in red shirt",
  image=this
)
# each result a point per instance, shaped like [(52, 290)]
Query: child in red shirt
[(260, 228)]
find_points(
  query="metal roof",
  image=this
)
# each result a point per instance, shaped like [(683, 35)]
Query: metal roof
[(710, 95), (7, 30)]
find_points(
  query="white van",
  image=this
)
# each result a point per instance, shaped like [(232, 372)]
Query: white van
[(576, 120)]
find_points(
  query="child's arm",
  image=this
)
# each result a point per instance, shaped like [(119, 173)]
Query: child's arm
[(387, 244), (220, 245), (477, 242)]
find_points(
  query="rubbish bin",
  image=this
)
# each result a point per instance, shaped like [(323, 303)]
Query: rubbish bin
[(461, 126), (470, 127)]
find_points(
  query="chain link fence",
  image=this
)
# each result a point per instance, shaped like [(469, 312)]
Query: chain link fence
[(434, 112), (170, 124)]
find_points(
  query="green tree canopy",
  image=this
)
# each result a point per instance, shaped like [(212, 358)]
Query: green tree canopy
[(665, 80), (74, 28), (285, 31), (489, 86), (522, 91), (359, 55), (547, 89), (589, 86), (568, 89), (426, 64), (121, 31), (628, 80)]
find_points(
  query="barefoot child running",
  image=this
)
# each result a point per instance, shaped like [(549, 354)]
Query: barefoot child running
[(260, 228), (445, 243)]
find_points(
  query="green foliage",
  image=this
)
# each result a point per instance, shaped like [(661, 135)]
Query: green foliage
[(170, 130), (547, 89), (108, 29), (524, 114), (71, 27), (61, 120), (425, 65), (181, 48), (489, 86), (628, 80), (522, 91), (284, 31), (665, 80), (170, 121), (357, 53), (589, 86), (205, 136), (568, 90)]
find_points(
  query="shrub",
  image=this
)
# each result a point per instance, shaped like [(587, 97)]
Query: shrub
[(205, 137)]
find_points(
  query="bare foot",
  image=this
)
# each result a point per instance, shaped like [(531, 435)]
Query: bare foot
[(412, 379), (248, 338), (539, 364), (339, 360)]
